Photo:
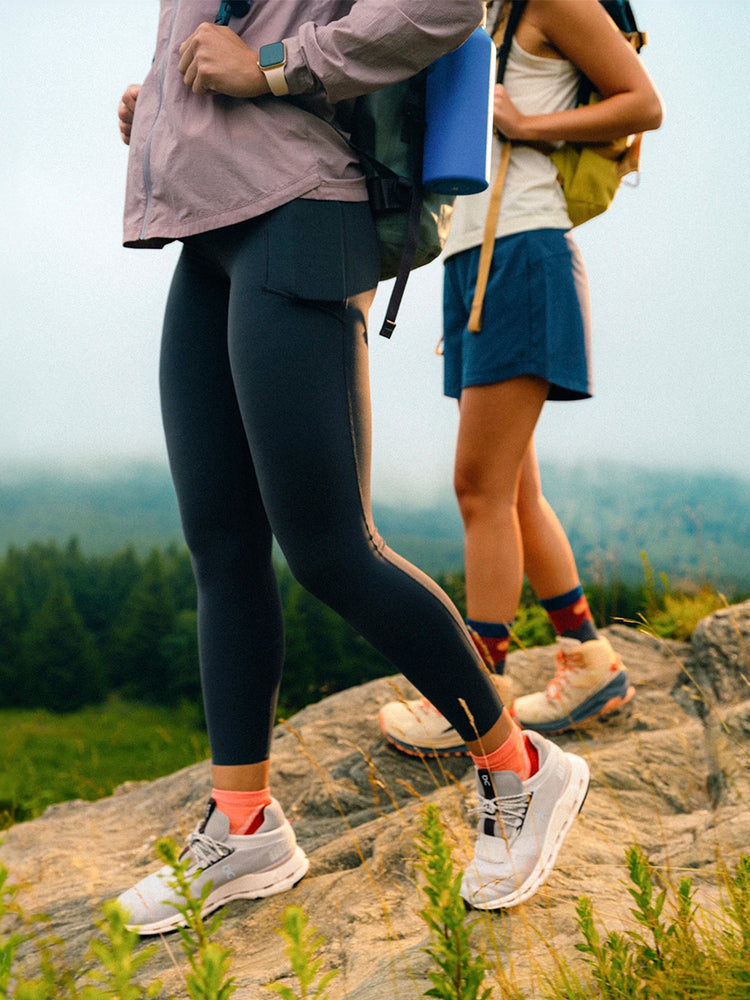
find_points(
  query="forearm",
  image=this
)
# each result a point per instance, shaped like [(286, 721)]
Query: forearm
[(619, 115), (582, 33), (376, 44)]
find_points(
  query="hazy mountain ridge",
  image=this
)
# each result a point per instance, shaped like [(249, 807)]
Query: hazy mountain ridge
[(691, 525)]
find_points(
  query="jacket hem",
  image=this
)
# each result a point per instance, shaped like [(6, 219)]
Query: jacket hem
[(159, 235)]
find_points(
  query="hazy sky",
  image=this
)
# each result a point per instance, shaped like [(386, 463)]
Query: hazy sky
[(668, 265)]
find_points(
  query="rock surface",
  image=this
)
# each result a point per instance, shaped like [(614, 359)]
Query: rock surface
[(671, 775)]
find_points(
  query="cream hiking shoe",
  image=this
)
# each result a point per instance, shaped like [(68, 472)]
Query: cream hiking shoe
[(590, 681), (417, 728)]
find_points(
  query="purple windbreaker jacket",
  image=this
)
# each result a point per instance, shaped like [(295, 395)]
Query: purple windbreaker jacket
[(198, 163)]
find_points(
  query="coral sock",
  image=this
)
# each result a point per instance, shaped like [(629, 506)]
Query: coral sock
[(516, 754), (244, 809), (492, 640), (570, 615)]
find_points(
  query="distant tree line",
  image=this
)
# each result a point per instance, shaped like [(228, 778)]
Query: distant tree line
[(75, 629)]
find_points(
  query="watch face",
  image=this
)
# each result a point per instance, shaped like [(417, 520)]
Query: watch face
[(271, 55)]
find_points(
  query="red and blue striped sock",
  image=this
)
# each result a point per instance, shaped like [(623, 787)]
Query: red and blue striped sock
[(492, 639), (570, 615)]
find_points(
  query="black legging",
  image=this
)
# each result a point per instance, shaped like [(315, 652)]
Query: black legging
[(265, 399)]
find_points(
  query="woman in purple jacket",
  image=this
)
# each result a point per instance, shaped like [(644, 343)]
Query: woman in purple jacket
[(265, 401)]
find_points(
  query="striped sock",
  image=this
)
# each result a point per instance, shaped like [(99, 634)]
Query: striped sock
[(244, 809), (492, 639), (570, 615)]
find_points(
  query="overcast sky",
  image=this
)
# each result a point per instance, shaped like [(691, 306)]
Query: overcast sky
[(668, 266)]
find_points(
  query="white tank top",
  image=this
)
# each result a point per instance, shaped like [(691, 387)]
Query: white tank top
[(532, 198)]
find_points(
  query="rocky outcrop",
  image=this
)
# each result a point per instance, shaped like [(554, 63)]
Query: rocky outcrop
[(672, 775), (718, 665)]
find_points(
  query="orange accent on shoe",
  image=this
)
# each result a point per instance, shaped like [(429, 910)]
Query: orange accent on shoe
[(567, 661)]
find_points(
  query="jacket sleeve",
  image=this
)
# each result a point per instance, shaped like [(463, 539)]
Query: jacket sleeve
[(377, 43)]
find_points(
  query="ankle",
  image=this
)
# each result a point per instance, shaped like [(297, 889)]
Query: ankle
[(492, 641), (516, 754), (570, 615)]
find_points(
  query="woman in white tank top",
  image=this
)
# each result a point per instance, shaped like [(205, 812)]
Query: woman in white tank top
[(533, 346)]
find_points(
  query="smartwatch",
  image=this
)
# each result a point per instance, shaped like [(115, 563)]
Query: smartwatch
[(272, 60)]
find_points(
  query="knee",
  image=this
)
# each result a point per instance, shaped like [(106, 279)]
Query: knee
[(224, 553), (479, 499), (337, 568), (318, 569), (469, 498)]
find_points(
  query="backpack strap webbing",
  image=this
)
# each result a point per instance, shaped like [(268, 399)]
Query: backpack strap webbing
[(488, 242), (231, 8), (414, 125), (407, 258), (502, 37)]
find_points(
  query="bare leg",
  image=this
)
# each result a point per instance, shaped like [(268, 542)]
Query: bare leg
[(492, 740), (495, 431), (241, 777), (548, 558)]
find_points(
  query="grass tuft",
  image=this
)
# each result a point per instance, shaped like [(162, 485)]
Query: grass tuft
[(458, 973), (302, 946)]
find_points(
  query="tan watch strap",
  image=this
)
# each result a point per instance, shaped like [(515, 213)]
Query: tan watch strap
[(276, 80)]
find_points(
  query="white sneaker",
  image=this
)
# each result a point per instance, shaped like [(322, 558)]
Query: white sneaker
[(590, 680), (417, 728), (522, 826), (238, 867)]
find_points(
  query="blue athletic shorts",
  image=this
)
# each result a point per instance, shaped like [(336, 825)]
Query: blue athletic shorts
[(536, 318)]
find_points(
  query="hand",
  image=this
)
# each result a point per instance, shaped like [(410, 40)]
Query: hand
[(126, 111), (214, 60), (506, 117)]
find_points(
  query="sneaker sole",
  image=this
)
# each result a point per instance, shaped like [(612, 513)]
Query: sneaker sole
[(567, 808), (256, 885), (614, 696), (417, 751)]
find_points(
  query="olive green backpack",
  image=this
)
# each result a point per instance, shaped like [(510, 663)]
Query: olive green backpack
[(589, 175), (387, 134)]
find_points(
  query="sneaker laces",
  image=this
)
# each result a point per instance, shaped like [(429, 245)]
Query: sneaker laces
[(565, 663), (204, 850), (509, 812)]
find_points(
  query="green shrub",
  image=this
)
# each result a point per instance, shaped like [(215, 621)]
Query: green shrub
[(674, 953), (209, 962), (114, 952), (458, 973), (302, 946)]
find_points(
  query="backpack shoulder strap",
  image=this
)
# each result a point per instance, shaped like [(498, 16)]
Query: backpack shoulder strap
[(504, 32), (231, 8), (488, 242), (502, 37), (414, 124)]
